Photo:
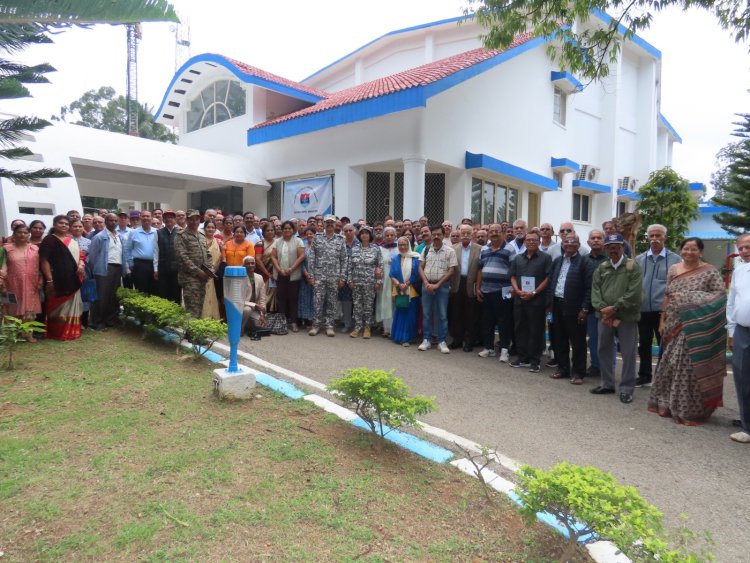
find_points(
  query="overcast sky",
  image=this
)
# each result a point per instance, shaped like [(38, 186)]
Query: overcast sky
[(704, 73)]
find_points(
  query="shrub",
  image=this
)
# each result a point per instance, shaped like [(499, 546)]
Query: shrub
[(380, 399), (12, 331), (587, 500), (203, 333)]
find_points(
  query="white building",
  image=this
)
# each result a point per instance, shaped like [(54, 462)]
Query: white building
[(420, 121)]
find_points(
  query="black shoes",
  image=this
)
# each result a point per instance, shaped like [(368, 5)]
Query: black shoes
[(626, 398), (602, 391), (468, 348), (520, 364), (643, 381), (534, 368), (455, 345)]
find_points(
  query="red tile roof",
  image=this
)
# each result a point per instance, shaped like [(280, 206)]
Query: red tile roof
[(419, 76), (255, 71)]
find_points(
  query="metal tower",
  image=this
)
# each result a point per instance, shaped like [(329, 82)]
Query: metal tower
[(181, 41), (134, 35)]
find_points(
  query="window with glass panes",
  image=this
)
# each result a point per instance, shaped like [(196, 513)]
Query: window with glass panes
[(217, 102), (492, 203), (581, 207)]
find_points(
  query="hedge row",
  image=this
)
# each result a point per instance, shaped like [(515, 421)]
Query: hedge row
[(156, 313)]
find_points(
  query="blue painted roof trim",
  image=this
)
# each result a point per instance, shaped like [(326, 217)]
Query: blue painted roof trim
[(642, 43), (628, 194), (599, 188), (389, 34), (697, 186), (672, 130), (516, 172), (716, 235), (716, 209), (244, 77), (568, 79), (402, 100), (565, 163)]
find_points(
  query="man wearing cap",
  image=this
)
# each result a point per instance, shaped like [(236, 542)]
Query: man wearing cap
[(616, 296), (123, 229), (328, 265), (139, 252), (192, 259), (165, 259), (134, 217)]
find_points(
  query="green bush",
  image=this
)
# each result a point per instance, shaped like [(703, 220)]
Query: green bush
[(14, 330), (158, 313), (380, 399), (203, 333), (587, 500)]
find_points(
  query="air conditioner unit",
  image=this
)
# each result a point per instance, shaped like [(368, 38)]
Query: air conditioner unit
[(582, 172), (633, 184), (592, 174), (623, 183)]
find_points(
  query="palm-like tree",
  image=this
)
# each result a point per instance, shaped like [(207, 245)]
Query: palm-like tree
[(26, 22)]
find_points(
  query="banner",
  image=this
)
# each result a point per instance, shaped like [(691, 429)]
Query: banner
[(305, 198)]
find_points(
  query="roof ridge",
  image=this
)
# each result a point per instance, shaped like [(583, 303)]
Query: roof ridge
[(259, 72)]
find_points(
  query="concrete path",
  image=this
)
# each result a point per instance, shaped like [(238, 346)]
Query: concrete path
[(697, 471)]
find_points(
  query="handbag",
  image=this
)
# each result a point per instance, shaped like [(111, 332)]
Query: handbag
[(402, 301), (88, 291), (276, 323)]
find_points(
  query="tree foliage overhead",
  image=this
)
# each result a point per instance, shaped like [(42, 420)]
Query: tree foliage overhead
[(104, 109), (666, 200), (588, 50), (27, 22), (732, 180)]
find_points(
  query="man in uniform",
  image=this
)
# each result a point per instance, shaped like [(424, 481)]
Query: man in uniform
[(192, 257), (328, 265), (165, 259)]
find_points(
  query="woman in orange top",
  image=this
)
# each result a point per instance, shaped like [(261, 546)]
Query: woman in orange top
[(237, 248)]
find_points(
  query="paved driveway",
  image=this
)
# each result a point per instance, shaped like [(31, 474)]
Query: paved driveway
[(533, 419)]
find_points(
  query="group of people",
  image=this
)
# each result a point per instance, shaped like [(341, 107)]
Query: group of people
[(414, 283)]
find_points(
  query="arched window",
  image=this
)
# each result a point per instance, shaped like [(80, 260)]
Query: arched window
[(217, 102)]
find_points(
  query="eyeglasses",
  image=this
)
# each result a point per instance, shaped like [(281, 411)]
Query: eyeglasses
[(566, 230)]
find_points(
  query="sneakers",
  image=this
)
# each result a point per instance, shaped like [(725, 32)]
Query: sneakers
[(553, 363), (643, 381), (504, 355), (520, 364), (534, 368), (487, 353), (443, 347), (330, 332), (628, 398), (424, 346), (741, 437), (367, 332), (313, 331)]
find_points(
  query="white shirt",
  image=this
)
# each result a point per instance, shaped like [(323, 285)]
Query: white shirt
[(114, 250), (738, 305), (616, 265), (465, 252)]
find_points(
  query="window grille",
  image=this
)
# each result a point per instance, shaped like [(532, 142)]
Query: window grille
[(434, 197), (377, 197), (273, 199)]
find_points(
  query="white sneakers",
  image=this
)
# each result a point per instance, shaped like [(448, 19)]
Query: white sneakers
[(443, 347), (504, 355), (424, 346), (741, 437), (487, 353)]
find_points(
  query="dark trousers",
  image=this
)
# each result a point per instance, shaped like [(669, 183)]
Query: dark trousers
[(497, 314), (287, 297), (105, 310), (169, 288), (741, 372), (462, 322), (143, 276), (569, 334), (528, 335), (648, 327)]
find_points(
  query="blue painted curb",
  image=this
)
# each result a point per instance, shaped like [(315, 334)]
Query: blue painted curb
[(553, 522), (410, 442), (280, 386)]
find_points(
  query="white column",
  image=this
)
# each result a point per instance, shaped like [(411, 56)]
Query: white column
[(414, 168)]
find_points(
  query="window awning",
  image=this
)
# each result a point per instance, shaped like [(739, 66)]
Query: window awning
[(515, 173), (595, 189)]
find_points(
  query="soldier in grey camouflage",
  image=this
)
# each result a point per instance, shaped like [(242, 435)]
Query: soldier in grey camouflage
[(191, 253), (328, 259)]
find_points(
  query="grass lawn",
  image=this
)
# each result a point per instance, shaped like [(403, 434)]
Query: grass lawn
[(112, 448)]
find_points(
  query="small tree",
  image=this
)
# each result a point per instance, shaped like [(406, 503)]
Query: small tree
[(665, 199), (588, 501), (14, 330), (732, 181), (380, 399)]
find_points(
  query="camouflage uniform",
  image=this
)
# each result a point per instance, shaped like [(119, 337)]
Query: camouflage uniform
[(328, 259), (361, 272), (190, 250)]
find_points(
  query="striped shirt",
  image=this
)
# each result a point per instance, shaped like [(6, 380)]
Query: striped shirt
[(495, 267)]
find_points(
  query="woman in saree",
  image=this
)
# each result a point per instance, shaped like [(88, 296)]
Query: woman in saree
[(404, 275), (305, 308), (264, 264), (689, 378), (61, 262), (23, 279), (211, 301), (384, 299), (77, 234)]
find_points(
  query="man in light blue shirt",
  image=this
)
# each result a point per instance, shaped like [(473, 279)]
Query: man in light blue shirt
[(139, 253)]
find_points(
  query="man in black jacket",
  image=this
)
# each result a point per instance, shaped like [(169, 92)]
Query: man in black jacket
[(570, 291), (165, 259)]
